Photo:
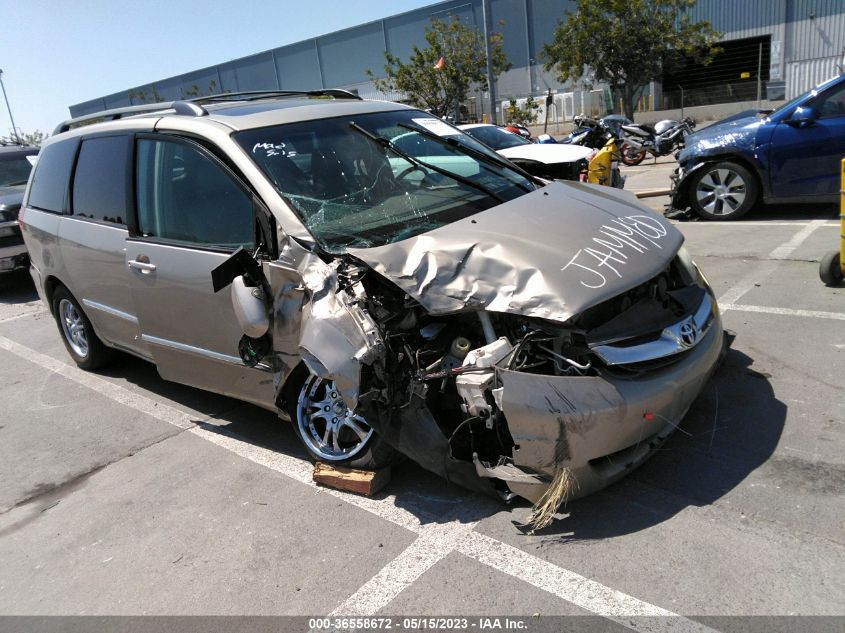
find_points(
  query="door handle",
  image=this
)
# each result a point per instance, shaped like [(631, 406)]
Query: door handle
[(142, 263)]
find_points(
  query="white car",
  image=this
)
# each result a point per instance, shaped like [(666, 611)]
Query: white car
[(552, 161)]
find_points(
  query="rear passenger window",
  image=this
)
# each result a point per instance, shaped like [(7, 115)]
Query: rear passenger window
[(184, 195), (52, 175), (99, 184)]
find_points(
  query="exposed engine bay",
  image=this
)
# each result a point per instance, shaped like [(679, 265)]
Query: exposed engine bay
[(432, 386)]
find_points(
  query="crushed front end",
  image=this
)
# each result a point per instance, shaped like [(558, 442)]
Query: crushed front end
[(508, 404)]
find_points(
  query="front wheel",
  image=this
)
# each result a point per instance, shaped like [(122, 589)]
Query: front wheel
[(630, 155), (723, 191), (330, 432)]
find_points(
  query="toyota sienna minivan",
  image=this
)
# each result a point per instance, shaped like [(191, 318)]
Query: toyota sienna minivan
[(380, 279)]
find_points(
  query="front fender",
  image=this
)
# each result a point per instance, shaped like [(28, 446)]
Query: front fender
[(682, 176)]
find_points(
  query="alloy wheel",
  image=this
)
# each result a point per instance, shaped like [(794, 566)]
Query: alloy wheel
[(721, 191), (327, 426), (73, 327)]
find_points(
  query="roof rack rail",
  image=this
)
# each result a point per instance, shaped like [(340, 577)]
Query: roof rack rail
[(179, 107), (337, 93), (192, 107)]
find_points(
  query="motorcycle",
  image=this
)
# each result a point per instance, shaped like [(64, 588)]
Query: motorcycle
[(595, 133), (587, 132), (660, 139)]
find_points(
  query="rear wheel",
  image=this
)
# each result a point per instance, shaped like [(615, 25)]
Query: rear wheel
[(330, 432), (630, 156), (82, 343), (723, 191), (829, 269)]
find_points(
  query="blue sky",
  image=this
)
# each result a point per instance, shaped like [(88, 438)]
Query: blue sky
[(56, 53)]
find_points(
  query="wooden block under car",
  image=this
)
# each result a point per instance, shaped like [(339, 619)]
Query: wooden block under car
[(362, 482)]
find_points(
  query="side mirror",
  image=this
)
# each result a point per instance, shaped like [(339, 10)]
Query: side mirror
[(803, 116), (248, 285), (250, 309)]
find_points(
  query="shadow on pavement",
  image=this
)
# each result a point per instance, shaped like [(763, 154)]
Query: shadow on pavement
[(730, 431), (792, 212), (17, 287)]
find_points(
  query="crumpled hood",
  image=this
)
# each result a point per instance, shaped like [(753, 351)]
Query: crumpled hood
[(736, 133), (549, 154), (551, 253)]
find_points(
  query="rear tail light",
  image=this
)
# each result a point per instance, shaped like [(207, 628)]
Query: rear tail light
[(20, 217)]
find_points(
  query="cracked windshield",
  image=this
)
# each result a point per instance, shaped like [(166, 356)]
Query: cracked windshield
[(372, 179)]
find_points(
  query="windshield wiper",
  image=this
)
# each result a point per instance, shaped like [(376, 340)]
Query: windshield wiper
[(388, 144), (487, 158)]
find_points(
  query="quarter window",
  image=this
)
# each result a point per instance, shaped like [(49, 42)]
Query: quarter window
[(99, 183), (51, 177), (184, 195)]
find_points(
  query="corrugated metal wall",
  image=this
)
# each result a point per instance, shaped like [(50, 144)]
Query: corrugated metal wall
[(803, 75), (807, 38)]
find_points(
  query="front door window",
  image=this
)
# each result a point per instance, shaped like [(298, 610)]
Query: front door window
[(183, 195)]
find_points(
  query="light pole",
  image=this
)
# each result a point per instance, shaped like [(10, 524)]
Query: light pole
[(491, 88), (14, 129)]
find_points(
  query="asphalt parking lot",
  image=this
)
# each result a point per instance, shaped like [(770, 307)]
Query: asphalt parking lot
[(124, 494)]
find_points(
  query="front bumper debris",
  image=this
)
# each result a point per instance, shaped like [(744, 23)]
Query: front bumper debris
[(599, 427)]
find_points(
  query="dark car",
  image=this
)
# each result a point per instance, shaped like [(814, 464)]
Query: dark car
[(15, 164), (790, 155)]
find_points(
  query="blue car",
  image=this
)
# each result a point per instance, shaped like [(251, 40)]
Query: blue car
[(787, 156)]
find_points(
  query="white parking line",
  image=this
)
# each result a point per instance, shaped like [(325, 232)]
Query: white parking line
[(785, 250), (35, 309), (814, 314), (739, 225), (136, 401), (766, 267), (435, 540), (433, 544), (575, 588)]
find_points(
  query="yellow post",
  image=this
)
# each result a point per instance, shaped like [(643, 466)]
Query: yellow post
[(842, 218)]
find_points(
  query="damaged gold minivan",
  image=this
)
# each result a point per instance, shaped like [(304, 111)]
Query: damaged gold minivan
[(378, 277)]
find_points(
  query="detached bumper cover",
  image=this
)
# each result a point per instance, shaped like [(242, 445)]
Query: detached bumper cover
[(600, 427)]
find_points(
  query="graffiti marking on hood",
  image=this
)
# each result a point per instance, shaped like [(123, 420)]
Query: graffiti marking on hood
[(620, 237)]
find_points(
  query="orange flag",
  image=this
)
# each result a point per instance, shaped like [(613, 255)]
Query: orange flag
[(440, 64)]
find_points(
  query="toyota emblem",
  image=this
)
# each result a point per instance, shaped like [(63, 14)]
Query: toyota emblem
[(689, 333)]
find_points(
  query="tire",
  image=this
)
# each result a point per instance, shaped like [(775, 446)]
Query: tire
[(630, 156), (723, 191), (318, 413), (82, 343), (829, 269)]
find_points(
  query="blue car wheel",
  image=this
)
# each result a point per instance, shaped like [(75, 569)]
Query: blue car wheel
[(723, 191)]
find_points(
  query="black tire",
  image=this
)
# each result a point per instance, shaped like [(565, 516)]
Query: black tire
[(830, 271), (630, 156), (85, 347), (372, 453), (734, 191)]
